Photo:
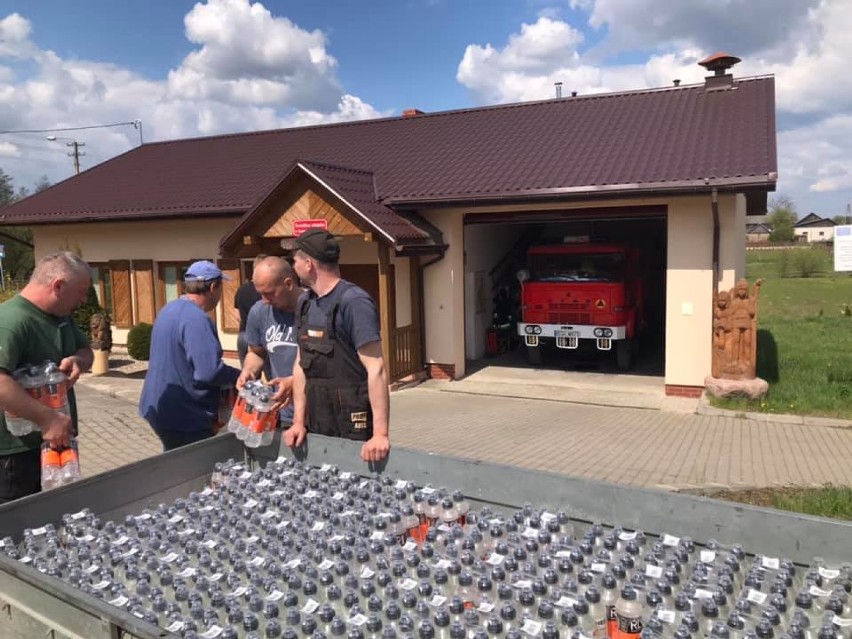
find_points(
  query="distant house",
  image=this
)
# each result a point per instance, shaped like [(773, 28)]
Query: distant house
[(813, 228), (758, 232)]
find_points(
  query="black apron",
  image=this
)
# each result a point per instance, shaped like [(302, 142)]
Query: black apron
[(338, 402)]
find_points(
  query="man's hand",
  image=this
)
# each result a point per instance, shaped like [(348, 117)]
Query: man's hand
[(284, 391), (244, 377), (72, 368), (295, 435), (375, 449), (56, 429)]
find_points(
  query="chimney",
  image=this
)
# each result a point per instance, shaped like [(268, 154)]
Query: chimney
[(558, 86), (719, 63), (676, 82), (411, 113), (573, 94)]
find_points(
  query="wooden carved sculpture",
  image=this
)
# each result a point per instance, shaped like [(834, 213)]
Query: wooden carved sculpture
[(735, 332), (100, 333)]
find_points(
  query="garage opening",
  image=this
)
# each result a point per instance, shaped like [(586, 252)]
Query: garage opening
[(574, 291)]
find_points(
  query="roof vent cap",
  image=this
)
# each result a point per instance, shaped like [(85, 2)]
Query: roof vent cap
[(410, 113), (719, 62)]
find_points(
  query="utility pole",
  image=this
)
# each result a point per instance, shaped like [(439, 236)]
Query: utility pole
[(75, 153)]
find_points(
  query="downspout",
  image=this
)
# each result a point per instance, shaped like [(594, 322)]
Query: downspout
[(714, 207)]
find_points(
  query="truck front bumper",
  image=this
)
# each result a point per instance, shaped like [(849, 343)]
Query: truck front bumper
[(569, 337)]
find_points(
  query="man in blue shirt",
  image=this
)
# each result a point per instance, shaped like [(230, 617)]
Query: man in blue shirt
[(270, 331), (180, 397)]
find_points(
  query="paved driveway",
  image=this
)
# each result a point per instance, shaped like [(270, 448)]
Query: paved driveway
[(640, 447)]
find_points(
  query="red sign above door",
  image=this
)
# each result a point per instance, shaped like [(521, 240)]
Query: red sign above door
[(300, 226)]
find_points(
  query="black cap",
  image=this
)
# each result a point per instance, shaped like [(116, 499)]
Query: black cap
[(320, 245)]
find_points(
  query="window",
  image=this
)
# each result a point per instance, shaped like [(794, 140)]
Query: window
[(170, 276), (102, 282)]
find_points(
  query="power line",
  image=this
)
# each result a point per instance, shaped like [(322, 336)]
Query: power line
[(136, 124)]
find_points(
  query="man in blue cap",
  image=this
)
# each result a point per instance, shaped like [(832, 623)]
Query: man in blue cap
[(180, 397)]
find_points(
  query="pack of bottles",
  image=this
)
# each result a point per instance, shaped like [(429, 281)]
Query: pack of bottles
[(252, 419), (45, 383), (305, 552), (59, 466)]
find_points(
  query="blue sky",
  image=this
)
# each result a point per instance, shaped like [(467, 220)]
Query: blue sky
[(188, 69)]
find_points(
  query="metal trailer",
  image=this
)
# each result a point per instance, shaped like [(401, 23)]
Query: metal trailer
[(36, 605)]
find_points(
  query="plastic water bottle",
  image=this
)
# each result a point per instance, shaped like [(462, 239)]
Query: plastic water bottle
[(55, 393), (69, 460), (19, 426), (629, 614), (51, 467)]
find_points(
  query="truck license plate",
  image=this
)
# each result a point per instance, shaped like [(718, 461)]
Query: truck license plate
[(567, 334)]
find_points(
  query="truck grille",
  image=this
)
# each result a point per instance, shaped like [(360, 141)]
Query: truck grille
[(569, 318)]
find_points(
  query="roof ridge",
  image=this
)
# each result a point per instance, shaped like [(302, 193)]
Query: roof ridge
[(459, 111)]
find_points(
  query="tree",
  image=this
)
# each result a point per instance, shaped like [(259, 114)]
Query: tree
[(782, 219), (17, 240)]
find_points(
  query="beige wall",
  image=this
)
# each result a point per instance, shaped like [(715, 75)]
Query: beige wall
[(689, 292), (443, 295), (162, 240), (178, 240)]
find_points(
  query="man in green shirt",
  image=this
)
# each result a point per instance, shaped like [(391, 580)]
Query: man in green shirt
[(35, 326)]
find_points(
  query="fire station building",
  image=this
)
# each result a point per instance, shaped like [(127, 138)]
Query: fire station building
[(436, 213)]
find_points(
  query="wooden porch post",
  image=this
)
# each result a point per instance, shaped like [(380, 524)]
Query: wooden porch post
[(387, 303), (416, 312)]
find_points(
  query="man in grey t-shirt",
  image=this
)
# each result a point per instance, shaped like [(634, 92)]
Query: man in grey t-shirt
[(270, 331)]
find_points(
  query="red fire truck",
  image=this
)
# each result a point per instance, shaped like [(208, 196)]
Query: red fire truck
[(583, 292)]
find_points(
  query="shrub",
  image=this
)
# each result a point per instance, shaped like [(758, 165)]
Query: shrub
[(784, 264), (139, 342), (83, 314), (807, 262)]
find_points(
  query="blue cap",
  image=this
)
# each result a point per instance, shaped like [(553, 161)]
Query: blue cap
[(204, 271)]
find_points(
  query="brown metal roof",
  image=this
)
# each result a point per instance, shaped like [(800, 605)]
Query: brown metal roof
[(656, 140)]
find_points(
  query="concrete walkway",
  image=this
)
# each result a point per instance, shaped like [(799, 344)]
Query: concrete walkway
[(638, 446)]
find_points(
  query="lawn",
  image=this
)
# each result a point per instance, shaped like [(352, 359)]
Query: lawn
[(804, 340), (829, 501)]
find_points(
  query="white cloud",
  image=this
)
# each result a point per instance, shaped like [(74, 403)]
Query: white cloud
[(807, 51), (247, 55), (250, 71)]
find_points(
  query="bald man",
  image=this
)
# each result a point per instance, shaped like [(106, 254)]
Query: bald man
[(270, 332)]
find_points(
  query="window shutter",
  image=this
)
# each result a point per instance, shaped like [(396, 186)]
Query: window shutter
[(143, 279), (122, 306), (230, 314)]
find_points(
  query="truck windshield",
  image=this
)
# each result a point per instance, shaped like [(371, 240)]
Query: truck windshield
[(577, 267)]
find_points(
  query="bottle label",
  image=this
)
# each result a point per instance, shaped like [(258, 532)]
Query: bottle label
[(310, 607), (842, 622), (666, 616), (275, 595), (611, 622), (771, 563), (565, 602), (175, 626), (495, 560), (708, 556), (598, 566), (755, 596), (408, 584), (212, 632), (654, 572), (56, 396), (700, 593), (530, 627), (827, 573), (437, 600), (819, 592), (358, 620), (486, 607), (119, 601), (629, 626), (670, 540), (627, 536)]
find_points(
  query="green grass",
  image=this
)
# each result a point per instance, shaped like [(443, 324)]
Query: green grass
[(824, 502), (804, 341), (827, 501)]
